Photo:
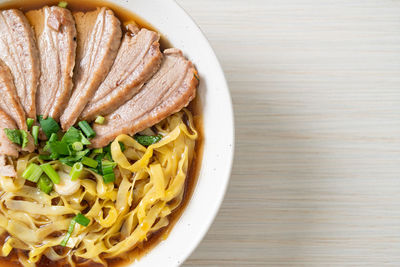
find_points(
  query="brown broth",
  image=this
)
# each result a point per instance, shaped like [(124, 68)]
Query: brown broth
[(194, 107)]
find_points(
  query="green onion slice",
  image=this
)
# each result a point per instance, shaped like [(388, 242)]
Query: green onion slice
[(35, 134), (86, 129), (76, 171), (49, 126), (45, 184), (77, 146), (89, 162), (100, 120), (63, 4), (32, 173), (30, 122), (82, 219), (69, 233), (147, 140), (49, 170)]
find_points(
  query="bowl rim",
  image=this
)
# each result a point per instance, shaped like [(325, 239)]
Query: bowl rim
[(229, 168)]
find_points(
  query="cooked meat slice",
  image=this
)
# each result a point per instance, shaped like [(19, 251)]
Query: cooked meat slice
[(99, 37), (56, 36), (170, 90), (18, 50), (6, 146), (138, 58), (6, 169), (9, 100)]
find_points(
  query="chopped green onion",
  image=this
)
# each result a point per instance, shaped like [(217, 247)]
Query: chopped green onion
[(35, 134), (77, 146), (82, 219), (24, 136), (86, 129), (84, 140), (107, 169), (14, 135), (53, 137), (63, 4), (76, 171), (97, 150), (54, 156), (109, 178), (45, 184), (71, 136), (58, 147), (30, 122), (147, 140), (53, 175), (69, 233), (19, 137), (122, 146), (100, 120), (45, 157), (89, 162), (49, 126), (32, 173)]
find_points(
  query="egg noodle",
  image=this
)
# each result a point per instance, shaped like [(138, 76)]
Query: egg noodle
[(149, 186)]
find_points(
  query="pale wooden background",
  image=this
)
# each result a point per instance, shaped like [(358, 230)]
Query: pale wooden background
[(316, 92)]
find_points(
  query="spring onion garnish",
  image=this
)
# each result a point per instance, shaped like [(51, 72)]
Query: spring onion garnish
[(109, 178), (122, 146), (100, 120), (107, 168), (69, 233), (76, 171), (48, 125), (53, 175), (32, 173), (82, 220), (44, 157), (45, 184), (29, 123), (146, 140), (63, 4), (53, 137), (35, 134), (86, 129), (24, 136), (97, 151), (19, 137), (84, 140), (89, 162), (58, 147), (77, 146)]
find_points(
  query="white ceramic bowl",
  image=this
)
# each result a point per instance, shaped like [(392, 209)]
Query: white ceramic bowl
[(177, 26), (182, 32)]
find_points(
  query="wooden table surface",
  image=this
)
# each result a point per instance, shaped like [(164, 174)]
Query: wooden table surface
[(316, 92)]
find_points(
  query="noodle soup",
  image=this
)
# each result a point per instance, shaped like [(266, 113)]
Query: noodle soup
[(98, 221)]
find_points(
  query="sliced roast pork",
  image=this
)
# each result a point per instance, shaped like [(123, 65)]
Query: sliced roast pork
[(99, 37), (168, 91), (9, 100), (18, 50), (138, 58), (6, 169), (56, 37), (6, 146)]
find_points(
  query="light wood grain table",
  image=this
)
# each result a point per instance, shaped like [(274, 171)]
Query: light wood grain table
[(316, 92)]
